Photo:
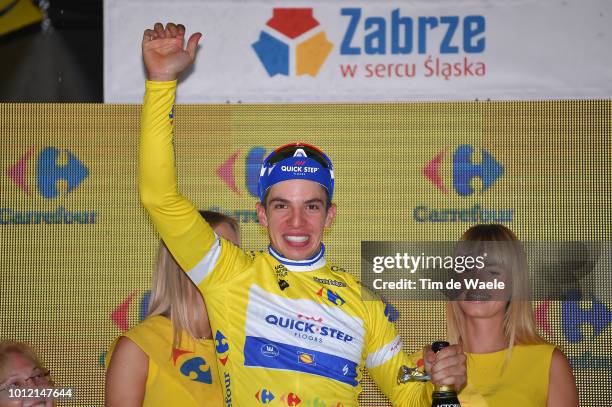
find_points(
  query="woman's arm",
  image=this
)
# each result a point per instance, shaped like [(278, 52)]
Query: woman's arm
[(126, 375), (562, 390)]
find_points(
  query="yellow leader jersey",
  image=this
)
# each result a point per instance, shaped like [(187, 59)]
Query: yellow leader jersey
[(286, 332), (523, 382), (183, 376)]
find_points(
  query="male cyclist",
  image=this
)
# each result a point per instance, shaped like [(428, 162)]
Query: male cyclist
[(288, 328)]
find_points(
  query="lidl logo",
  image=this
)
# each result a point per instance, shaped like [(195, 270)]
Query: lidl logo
[(292, 43), (264, 396), (465, 169), (52, 166)]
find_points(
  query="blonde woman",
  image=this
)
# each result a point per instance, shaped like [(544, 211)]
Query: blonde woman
[(169, 358), (20, 369), (508, 363)]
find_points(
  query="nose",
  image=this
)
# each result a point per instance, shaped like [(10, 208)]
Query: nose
[(297, 219)]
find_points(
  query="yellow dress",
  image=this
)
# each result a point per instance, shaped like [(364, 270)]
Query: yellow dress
[(524, 382), (184, 376)]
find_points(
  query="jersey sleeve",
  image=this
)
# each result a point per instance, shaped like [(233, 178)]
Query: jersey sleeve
[(207, 259), (385, 357)]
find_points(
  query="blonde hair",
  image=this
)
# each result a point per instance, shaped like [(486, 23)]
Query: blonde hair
[(173, 294), (10, 347), (519, 321)]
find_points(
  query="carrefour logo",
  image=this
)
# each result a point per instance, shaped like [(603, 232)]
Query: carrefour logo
[(226, 172), (466, 169), (46, 173), (194, 368), (582, 321), (292, 43), (49, 172)]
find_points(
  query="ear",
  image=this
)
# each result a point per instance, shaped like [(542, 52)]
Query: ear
[(261, 214), (331, 215)]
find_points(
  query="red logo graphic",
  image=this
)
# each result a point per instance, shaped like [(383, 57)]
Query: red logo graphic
[(307, 318)]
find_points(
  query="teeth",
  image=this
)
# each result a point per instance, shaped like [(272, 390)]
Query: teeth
[(297, 239)]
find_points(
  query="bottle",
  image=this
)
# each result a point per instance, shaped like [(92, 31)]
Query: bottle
[(443, 396)]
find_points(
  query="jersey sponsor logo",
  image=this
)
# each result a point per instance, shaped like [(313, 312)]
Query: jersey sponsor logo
[(228, 389), (264, 396), (331, 296), (306, 358), (171, 115), (221, 347), (391, 312), (309, 318), (308, 327), (326, 281), (291, 399), (308, 324), (269, 350), (300, 359)]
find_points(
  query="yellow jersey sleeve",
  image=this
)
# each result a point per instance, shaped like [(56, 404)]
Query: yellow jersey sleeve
[(192, 242), (385, 357)]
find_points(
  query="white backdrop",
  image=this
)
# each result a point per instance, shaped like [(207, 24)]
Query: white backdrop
[(513, 49)]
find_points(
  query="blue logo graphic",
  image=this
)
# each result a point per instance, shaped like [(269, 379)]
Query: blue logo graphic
[(391, 312), (327, 365), (49, 172), (197, 370), (464, 170), (574, 316), (254, 159), (221, 345), (264, 396), (269, 350)]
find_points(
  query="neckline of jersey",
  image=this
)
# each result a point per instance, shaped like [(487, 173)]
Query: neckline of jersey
[(314, 263)]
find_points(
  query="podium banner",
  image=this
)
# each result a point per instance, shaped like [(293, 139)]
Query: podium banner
[(359, 51)]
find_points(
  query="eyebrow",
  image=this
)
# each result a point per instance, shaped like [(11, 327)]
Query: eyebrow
[(314, 200), (286, 201)]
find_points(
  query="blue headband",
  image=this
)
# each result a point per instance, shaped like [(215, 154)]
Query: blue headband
[(299, 166)]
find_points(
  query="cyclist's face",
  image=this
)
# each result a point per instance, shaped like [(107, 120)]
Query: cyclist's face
[(296, 216)]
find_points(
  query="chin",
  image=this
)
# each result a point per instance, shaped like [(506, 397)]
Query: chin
[(482, 309)]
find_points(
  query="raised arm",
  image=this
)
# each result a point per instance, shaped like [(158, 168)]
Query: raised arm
[(190, 239), (174, 217)]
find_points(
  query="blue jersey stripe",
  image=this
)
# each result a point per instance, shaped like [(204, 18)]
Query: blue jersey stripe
[(261, 352)]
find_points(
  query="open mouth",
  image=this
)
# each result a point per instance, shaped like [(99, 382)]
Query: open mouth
[(477, 296), (297, 240)]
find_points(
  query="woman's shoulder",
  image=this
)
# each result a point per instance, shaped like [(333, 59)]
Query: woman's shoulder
[(152, 324)]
